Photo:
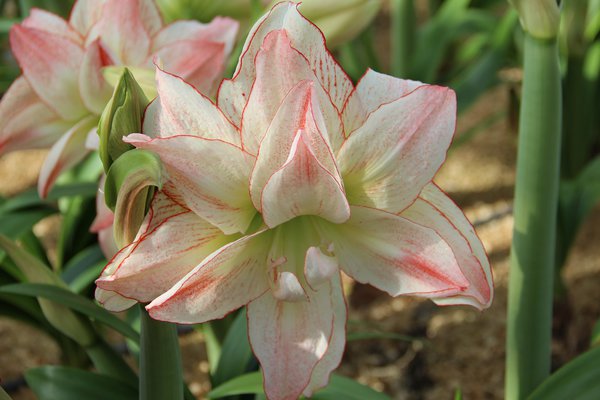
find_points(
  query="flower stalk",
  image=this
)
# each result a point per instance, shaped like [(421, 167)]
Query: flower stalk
[(403, 36), (161, 374), (536, 197)]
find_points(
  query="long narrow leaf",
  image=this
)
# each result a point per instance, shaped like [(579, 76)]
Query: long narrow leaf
[(578, 379), (74, 302), (62, 383)]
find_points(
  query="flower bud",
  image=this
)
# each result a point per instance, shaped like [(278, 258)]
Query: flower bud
[(340, 20), (540, 18), (122, 115)]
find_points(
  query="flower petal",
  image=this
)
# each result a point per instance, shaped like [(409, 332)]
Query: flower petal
[(85, 14), (25, 121), (297, 112), (95, 91), (337, 341), (435, 210), (199, 62), (219, 30), (52, 23), (51, 65), (289, 339), (303, 186), (113, 301), (66, 152), (373, 90), (399, 148), (306, 38), (160, 255), (319, 267), (229, 278), (126, 28), (211, 175), (181, 109), (279, 68), (396, 255)]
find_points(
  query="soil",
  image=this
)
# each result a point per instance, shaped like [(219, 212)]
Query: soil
[(457, 347)]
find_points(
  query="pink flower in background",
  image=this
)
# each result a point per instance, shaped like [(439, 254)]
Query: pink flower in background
[(58, 99), (293, 177)]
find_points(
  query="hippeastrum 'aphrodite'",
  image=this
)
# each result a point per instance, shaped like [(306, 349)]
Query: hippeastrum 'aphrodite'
[(57, 100), (294, 176)]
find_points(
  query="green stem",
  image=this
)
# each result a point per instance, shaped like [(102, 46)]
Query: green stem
[(403, 36), (160, 360), (536, 199)]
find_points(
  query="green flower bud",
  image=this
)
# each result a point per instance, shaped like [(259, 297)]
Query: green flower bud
[(340, 20), (540, 18), (122, 115)]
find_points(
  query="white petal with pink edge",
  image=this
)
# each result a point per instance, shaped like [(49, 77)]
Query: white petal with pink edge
[(65, 153), (113, 301), (395, 255), (211, 175), (181, 109), (199, 62), (373, 90), (306, 38), (219, 30), (388, 160), (95, 91), (51, 65), (25, 120), (46, 21), (279, 68), (303, 186), (126, 28), (335, 350), (85, 14), (436, 210), (289, 339), (160, 255), (229, 278), (298, 111)]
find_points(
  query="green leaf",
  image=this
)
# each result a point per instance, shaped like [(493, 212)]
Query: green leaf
[(579, 379), (4, 395), (63, 383), (17, 224), (75, 232), (251, 383), (59, 317), (339, 387), (127, 190), (30, 198), (122, 115), (236, 353), (72, 301), (595, 341), (6, 24), (84, 268)]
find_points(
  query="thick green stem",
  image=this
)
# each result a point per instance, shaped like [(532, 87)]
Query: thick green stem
[(536, 197), (403, 36), (160, 360)]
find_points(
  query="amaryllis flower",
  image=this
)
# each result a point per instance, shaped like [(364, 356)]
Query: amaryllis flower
[(293, 177), (59, 97)]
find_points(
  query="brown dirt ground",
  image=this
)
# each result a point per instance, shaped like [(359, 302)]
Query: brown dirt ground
[(462, 348)]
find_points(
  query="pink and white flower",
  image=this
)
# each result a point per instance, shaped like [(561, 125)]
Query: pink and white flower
[(57, 101), (293, 177)]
